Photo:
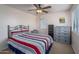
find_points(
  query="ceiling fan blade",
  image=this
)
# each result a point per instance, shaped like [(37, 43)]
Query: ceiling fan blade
[(32, 10), (45, 11), (36, 5), (46, 7)]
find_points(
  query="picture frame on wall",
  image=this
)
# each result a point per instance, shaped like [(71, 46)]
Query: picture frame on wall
[(62, 19)]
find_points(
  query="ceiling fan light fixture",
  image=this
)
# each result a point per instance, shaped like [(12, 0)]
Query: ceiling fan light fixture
[(39, 11)]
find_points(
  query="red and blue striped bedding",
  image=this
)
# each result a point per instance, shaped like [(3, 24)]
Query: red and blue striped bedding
[(31, 43)]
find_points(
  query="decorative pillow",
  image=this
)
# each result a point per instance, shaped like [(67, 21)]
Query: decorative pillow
[(34, 31)]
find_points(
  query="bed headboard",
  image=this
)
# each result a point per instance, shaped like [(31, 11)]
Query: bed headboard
[(17, 29)]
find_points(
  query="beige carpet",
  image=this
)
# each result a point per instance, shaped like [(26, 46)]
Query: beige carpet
[(6, 51), (57, 48), (60, 48)]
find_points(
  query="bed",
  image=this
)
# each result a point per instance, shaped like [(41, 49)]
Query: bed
[(21, 41)]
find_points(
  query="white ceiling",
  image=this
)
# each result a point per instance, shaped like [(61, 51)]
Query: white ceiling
[(55, 7)]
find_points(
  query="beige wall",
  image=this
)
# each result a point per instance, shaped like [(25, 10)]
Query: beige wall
[(11, 16), (75, 42), (38, 21), (53, 18)]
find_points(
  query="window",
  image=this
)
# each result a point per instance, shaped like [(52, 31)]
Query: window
[(75, 22), (43, 23)]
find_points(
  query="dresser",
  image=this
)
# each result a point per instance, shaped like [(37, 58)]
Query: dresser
[(62, 34)]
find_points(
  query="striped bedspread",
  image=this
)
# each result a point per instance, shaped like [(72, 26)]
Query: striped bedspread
[(29, 43)]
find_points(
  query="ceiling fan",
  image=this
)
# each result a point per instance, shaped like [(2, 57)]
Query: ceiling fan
[(40, 9)]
